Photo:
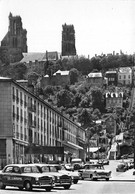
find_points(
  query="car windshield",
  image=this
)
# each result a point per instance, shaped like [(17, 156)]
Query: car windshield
[(53, 169), (45, 169), (29, 169)]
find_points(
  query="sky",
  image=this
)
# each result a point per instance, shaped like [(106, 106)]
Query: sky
[(101, 26)]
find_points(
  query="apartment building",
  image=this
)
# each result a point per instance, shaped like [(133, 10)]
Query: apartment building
[(125, 76), (26, 119), (114, 99)]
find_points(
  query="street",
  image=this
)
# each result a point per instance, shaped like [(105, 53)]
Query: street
[(84, 187)]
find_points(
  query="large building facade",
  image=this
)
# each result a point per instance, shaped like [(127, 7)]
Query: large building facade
[(15, 41), (26, 119), (68, 40)]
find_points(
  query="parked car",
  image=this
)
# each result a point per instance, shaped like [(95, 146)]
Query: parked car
[(73, 174), (94, 172), (61, 180), (25, 176), (77, 163), (104, 162), (122, 167)]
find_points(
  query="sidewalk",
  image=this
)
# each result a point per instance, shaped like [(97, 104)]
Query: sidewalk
[(125, 176)]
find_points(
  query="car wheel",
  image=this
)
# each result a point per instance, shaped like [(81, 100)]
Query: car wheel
[(75, 181), (67, 186), (2, 186), (91, 176), (82, 178), (48, 189), (20, 188), (94, 179), (107, 179), (28, 186)]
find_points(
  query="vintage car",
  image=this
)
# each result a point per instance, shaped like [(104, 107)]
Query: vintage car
[(94, 172), (122, 167), (61, 180), (77, 163), (25, 176), (74, 174)]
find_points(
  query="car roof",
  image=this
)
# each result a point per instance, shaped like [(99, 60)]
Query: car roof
[(20, 165)]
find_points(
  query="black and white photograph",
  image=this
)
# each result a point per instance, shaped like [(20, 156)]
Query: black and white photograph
[(67, 96)]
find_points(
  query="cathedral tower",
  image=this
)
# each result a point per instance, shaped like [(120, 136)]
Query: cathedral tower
[(68, 40), (15, 41)]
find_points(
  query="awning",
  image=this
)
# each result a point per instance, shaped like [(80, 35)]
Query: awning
[(94, 149), (68, 143)]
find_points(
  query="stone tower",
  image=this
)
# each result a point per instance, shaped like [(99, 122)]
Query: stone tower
[(68, 40), (15, 41)]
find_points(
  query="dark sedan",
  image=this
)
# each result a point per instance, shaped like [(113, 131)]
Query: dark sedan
[(61, 180), (25, 176)]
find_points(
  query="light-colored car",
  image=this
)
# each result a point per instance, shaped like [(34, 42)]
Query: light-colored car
[(94, 172), (25, 176), (77, 163), (61, 180), (73, 174)]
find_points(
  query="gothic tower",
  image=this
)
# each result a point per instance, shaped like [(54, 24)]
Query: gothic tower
[(15, 41), (68, 40)]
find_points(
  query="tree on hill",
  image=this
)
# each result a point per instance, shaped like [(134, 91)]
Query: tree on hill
[(84, 116), (32, 78), (73, 73), (15, 71), (97, 99), (64, 98)]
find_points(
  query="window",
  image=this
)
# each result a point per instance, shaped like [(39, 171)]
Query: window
[(13, 112), (25, 101), (21, 101), (16, 169), (17, 113), (8, 169), (17, 96), (13, 94)]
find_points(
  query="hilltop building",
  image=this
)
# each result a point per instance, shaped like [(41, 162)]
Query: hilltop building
[(15, 41), (125, 76), (59, 78), (68, 40), (95, 79)]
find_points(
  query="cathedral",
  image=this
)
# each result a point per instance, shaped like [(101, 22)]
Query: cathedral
[(15, 41), (68, 40)]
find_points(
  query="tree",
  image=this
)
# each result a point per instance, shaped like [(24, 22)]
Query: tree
[(32, 78), (85, 102), (97, 99), (49, 90), (64, 98), (77, 99), (73, 73), (84, 117)]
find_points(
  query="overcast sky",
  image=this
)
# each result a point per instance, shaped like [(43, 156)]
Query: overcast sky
[(100, 25)]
